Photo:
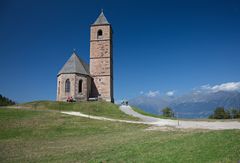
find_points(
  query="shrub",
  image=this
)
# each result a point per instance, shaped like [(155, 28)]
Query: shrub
[(167, 112), (4, 101), (235, 113), (220, 113)]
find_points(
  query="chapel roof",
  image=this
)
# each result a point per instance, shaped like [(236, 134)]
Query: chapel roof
[(75, 65), (101, 20)]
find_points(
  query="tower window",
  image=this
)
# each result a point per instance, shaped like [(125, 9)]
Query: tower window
[(67, 86), (99, 33), (80, 86)]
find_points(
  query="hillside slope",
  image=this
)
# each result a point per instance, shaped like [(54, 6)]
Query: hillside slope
[(46, 136), (98, 108)]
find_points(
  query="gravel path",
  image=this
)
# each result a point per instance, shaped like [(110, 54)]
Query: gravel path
[(102, 118), (181, 123), (128, 110)]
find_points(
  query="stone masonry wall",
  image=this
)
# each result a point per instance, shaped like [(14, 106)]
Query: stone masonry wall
[(101, 61), (74, 82)]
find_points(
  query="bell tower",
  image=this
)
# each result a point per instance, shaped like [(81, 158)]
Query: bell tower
[(101, 59)]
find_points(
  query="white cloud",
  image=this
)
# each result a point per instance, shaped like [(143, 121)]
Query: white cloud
[(170, 93), (207, 86), (231, 86), (152, 93), (141, 92)]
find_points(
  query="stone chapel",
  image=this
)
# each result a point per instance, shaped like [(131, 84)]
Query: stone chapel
[(82, 82)]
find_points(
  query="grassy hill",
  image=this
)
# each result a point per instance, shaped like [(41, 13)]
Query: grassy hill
[(47, 136), (97, 108)]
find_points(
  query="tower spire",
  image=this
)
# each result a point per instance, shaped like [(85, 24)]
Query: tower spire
[(101, 20)]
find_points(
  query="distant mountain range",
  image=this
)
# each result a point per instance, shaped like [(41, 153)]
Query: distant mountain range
[(195, 104)]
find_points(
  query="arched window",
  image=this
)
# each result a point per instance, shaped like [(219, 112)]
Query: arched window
[(80, 86), (99, 33), (67, 86)]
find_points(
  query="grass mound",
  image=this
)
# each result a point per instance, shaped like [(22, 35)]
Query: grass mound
[(97, 108)]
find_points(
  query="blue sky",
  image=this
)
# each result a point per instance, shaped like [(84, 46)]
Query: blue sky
[(158, 45)]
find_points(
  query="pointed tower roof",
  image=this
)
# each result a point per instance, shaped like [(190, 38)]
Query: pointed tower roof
[(101, 20), (75, 65)]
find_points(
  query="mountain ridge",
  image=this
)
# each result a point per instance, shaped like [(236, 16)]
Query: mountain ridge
[(195, 104)]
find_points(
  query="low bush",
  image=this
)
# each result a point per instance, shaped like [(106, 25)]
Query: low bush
[(221, 113), (4, 101), (168, 112)]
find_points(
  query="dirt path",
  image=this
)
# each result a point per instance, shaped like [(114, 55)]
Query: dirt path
[(103, 118)]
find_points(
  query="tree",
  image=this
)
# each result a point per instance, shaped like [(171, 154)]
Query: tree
[(4, 101), (235, 113), (220, 113), (167, 112)]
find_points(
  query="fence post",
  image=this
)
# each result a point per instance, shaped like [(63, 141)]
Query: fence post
[(177, 119)]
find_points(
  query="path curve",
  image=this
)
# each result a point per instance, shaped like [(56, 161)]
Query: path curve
[(181, 123)]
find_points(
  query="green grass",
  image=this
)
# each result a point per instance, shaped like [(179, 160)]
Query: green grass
[(97, 108), (46, 136)]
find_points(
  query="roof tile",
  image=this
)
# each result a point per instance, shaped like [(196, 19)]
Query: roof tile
[(101, 20), (75, 65)]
